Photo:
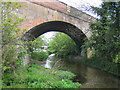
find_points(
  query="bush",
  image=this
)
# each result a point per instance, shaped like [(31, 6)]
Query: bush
[(41, 55)]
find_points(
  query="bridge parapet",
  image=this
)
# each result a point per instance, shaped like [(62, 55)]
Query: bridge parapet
[(80, 14), (63, 8)]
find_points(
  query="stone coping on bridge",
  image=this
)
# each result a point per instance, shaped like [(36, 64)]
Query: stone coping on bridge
[(61, 7), (64, 8)]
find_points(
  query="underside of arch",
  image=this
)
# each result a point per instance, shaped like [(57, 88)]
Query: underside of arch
[(76, 34)]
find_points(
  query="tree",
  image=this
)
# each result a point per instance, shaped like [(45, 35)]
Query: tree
[(37, 43), (62, 45), (106, 32)]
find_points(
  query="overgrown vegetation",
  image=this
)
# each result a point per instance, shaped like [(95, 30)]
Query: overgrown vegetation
[(62, 45), (10, 40), (105, 41), (36, 76), (40, 56), (106, 32)]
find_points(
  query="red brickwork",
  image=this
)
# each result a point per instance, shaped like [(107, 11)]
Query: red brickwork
[(29, 25), (52, 4)]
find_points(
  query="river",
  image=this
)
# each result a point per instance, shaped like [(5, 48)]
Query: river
[(89, 77)]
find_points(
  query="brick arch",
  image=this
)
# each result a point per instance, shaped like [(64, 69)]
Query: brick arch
[(27, 24), (75, 33)]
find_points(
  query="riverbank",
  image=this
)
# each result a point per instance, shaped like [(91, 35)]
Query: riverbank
[(106, 66), (89, 77), (35, 76)]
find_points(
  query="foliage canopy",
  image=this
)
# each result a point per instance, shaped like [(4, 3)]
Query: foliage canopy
[(63, 45), (106, 32)]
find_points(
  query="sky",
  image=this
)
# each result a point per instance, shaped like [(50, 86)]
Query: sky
[(77, 4), (74, 3)]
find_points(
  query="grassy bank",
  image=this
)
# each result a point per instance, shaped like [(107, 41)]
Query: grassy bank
[(103, 65), (109, 67), (36, 76)]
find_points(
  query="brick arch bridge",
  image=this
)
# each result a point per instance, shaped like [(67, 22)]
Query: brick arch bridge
[(52, 15)]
